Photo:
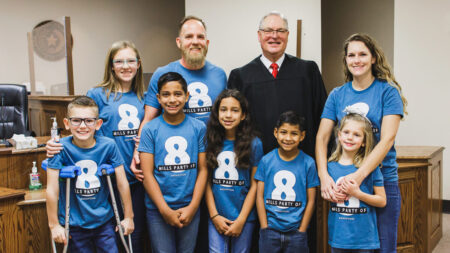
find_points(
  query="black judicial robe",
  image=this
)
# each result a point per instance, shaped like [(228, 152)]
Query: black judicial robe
[(298, 87)]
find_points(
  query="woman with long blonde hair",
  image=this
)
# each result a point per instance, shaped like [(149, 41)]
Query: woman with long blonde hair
[(372, 91)]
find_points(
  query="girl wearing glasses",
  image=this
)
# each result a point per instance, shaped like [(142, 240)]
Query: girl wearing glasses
[(120, 99)]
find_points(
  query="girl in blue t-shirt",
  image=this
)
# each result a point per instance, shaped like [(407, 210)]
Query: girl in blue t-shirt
[(370, 90), (232, 154), (352, 224), (120, 99)]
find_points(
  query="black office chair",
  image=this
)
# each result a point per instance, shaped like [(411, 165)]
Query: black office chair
[(13, 110)]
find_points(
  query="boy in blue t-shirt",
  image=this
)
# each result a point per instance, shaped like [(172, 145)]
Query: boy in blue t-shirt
[(172, 152), (91, 223), (286, 191)]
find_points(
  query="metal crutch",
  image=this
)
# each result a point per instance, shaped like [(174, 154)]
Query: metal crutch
[(107, 170), (67, 172)]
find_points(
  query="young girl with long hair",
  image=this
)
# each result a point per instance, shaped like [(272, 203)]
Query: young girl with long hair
[(352, 225), (371, 90), (232, 154)]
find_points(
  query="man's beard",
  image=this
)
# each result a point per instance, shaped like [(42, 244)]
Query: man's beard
[(195, 60)]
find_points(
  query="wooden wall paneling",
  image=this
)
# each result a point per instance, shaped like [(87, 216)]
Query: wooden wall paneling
[(35, 219), (19, 168), (11, 221), (3, 170), (322, 207), (406, 226), (35, 120), (48, 107), (435, 191)]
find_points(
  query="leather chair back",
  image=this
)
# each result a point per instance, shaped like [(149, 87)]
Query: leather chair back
[(13, 110)]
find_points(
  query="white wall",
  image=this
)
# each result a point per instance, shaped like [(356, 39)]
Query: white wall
[(151, 24), (337, 26), (422, 53), (232, 28)]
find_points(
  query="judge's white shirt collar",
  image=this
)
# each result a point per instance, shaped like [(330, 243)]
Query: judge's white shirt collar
[(267, 62)]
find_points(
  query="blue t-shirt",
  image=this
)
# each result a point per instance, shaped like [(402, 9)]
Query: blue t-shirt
[(230, 185), (89, 205), (121, 119), (204, 85), (175, 149), (375, 102), (353, 224), (285, 188)]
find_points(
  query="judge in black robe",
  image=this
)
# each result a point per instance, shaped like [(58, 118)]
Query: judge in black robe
[(298, 87)]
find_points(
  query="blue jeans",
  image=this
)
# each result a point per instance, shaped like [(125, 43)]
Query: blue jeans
[(137, 192), (167, 239), (336, 250), (223, 244), (273, 241), (100, 240), (387, 218)]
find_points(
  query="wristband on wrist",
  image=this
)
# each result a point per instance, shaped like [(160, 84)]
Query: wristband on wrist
[(214, 216)]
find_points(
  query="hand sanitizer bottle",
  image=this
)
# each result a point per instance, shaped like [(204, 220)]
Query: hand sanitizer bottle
[(54, 130), (35, 183)]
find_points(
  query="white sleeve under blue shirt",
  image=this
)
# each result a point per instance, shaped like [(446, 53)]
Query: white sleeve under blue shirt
[(175, 149), (353, 224), (230, 185), (285, 188), (121, 117), (89, 198), (204, 85), (375, 102)]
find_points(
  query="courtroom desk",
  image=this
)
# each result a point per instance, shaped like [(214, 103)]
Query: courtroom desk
[(15, 165), (11, 222), (421, 198), (420, 183), (35, 233), (42, 108)]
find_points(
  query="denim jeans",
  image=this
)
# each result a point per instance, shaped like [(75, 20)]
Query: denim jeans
[(224, 244), (137, 192), (100, 240), (387, 218), (273, 241), (336, 250), (167, 239)]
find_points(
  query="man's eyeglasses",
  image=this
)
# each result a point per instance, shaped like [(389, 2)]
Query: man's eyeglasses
[(87, 121), (132, 62), (269, 31)]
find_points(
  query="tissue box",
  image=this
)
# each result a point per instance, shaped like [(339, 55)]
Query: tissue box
[(22, 142)]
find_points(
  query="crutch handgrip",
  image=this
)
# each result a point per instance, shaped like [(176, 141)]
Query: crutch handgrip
[(105, 169), (70, 171), (44, 164)]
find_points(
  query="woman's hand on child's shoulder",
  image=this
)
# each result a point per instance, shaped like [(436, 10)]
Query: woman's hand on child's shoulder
[(172, 217), (58, 234), (235, 228), (222, 224)]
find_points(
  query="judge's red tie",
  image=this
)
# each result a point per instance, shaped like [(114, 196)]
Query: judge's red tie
[(274, 67)]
